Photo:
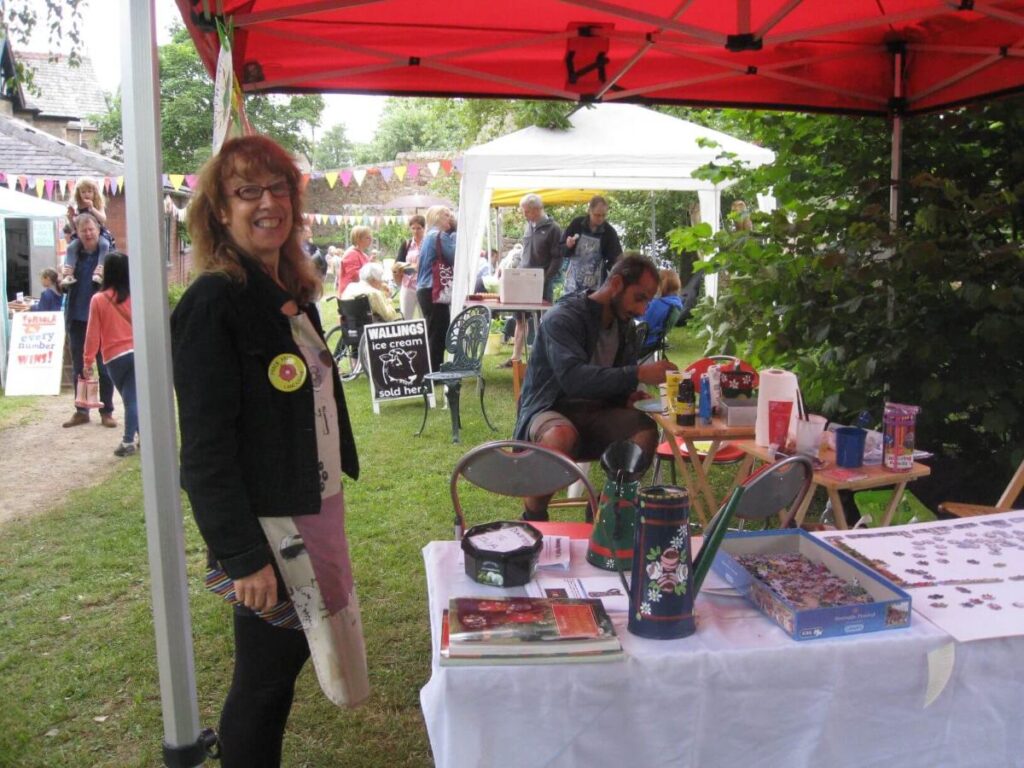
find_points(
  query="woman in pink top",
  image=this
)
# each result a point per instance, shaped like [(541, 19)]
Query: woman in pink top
[(109, 332), (355, 257)]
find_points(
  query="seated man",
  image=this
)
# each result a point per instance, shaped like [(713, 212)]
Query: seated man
[(582, 378), (371, 284)]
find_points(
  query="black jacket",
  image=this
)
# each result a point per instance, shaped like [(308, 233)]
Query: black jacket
[(248, 450), (543, 248)]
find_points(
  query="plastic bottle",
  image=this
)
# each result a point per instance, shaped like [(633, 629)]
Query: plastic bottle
[(704, 408), (686, 412)]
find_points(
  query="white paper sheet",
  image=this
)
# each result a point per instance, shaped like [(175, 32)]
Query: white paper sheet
[(966, 576), (555, 552), (606, 588)]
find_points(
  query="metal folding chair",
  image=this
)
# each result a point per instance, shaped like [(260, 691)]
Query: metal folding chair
[(517, 468), (775, 489)]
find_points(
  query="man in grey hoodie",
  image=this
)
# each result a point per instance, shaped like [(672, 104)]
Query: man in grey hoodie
[(541, 250)]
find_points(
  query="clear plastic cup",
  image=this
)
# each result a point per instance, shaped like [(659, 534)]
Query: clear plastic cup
[(809, 434)]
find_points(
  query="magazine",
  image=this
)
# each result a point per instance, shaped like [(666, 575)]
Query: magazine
[(526, 627)]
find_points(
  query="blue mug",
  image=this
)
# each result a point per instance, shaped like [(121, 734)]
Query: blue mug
[(850, 447)]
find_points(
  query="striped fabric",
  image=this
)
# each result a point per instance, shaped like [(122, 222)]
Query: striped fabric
[(281, 615)]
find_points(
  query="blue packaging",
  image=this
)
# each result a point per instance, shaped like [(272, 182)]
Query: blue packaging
[(704, 404), (891, 609)]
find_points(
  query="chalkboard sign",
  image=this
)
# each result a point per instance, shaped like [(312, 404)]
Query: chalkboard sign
[(398, 357)]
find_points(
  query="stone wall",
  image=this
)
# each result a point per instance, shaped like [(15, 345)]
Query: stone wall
[(371, 197)]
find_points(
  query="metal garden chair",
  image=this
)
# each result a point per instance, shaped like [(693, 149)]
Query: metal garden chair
[(465, 342)]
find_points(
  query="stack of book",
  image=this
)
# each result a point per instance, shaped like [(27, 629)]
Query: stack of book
[(526, 630)]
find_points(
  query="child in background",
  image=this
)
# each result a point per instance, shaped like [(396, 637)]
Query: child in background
[(51, 299), (88, 199)]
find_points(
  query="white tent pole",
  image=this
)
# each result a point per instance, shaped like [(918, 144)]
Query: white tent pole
[(171, 620)]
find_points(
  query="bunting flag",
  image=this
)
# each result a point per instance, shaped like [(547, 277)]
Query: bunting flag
[(52, 186)]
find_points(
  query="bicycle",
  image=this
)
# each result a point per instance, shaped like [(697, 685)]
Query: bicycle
[(346, 341)]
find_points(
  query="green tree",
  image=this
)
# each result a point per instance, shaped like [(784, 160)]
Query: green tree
[(926, 314), (334, 150), (186, 111)]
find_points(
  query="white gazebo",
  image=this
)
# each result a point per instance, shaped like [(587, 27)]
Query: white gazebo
[(609, 146)]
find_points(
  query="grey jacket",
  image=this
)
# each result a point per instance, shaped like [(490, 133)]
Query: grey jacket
[(543, 248), (561, 368)]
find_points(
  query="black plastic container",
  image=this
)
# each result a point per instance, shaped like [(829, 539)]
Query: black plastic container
[(502, 554)]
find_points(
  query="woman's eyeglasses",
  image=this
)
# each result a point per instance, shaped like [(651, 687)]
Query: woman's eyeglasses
[(255, 191)]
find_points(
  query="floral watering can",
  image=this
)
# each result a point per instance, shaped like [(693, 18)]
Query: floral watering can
[(664, 581)]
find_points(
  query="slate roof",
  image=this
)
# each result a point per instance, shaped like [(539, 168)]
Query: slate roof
[(26, 150), (63, 91)]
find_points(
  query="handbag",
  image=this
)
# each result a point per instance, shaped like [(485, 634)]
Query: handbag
[(443, 274), (87, 393)]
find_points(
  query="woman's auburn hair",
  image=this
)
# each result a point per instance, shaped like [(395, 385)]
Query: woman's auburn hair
[(213, 249)]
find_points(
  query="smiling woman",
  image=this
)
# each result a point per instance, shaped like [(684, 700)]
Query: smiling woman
[(265, 434)]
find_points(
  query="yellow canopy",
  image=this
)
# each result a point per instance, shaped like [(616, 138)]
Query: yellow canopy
[(509, 198)]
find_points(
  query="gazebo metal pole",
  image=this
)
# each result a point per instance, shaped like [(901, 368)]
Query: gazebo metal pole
[(171, 621), (896, 160)]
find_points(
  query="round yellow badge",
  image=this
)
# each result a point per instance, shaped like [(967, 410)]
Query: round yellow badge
[(287, 372)]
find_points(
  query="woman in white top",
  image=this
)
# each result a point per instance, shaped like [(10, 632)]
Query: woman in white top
[(405, 263)]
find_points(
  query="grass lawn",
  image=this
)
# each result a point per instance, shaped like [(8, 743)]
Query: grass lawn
[(77, 655), (15, 410)]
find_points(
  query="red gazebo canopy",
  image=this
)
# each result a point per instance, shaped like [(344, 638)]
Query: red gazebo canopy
[(812, 55)]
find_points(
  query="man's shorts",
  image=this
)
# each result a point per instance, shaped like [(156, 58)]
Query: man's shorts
[(596, 423)]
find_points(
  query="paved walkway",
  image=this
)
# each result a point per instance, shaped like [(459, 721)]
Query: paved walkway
[(41, 462)]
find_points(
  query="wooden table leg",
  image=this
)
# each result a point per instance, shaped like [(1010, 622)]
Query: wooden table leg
[(801, 511), (703, 486), (745, 468), (517, 378), (837, 508), (696, 502), (894, 502)]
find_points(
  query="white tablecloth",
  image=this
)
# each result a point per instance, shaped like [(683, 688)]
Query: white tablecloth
[(738, 692)]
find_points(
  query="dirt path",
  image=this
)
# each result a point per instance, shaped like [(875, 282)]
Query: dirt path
[(42, 462)]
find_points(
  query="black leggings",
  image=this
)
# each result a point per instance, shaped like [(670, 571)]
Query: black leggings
[(268, 659), (438, 317)]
